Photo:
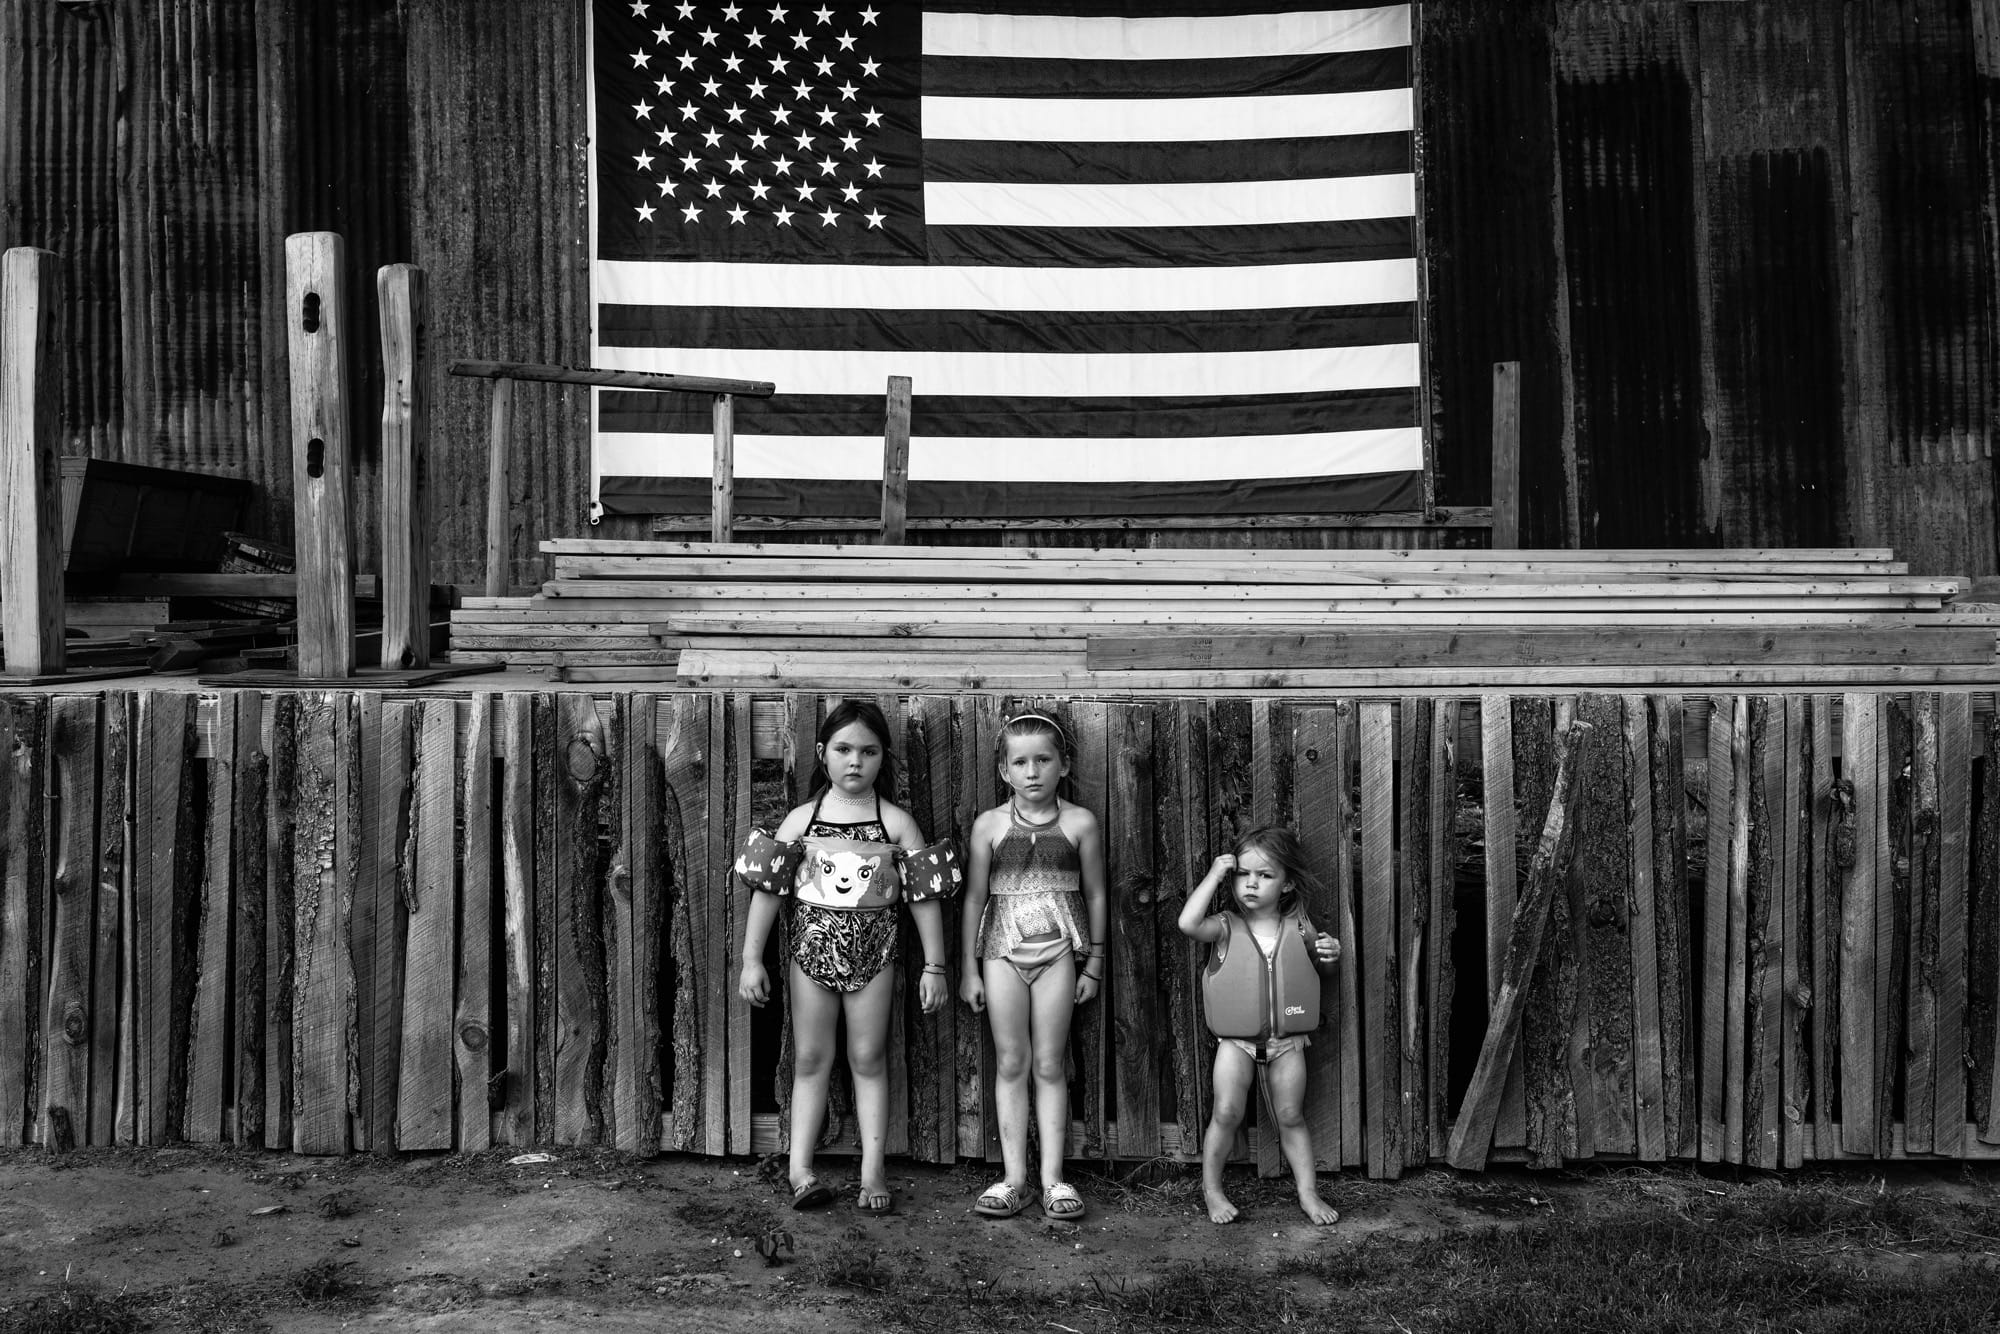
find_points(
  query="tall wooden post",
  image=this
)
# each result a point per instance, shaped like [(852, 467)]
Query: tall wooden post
[(1506, 455), (322, 502), (896, 463), (31, 591), (406, 443), (722, 485), (499, 432)]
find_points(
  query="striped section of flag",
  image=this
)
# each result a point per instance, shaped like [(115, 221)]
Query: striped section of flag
[(1136, 259)]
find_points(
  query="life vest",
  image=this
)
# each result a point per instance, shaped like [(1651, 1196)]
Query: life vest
[(849, 874), (1245, 995)]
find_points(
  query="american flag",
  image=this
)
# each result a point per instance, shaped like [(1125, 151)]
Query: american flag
[(1136, 259)]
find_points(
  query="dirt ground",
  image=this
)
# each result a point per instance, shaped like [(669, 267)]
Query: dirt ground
[(218, 1240)]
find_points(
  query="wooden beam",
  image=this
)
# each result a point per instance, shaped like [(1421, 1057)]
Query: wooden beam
[(31, 600), (722, 480), (1133, 998), (473, 1018), (686, 384), (1458, 516), (322, 505), (68, 1021), (896, 462), (251, 873), (515, 1117), (112, 902), (23, 889), (406, 439), (378, 922), (425, 1109), (499, 486), (1881, 560), (1506, 455)]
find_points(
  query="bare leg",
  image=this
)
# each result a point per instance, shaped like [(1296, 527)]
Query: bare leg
[(1053, 1001), (1287, 1077), (1007, 1009), (1234, 1072), (815, 1012), (867, 1061)]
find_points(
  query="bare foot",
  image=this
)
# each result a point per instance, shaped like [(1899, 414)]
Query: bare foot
[(1220, 1210), (1318, 1210)]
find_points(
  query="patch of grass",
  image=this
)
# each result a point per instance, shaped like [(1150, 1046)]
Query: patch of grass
[(851, 1263), (71, 1311), (323, 1281)]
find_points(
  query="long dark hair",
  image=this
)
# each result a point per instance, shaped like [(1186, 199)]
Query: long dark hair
[(1280, 847), (869, 715)]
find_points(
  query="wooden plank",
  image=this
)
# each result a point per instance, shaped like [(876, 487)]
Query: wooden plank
[(746, 616), (896, 462), (322, 888), (280, 921), (426, 1115), (403, 298), (802, 718), (1920, 1071), (322, 504), (722, 480), (632, 936), (1550, 1092), (1892, 915), (1441, 981), (1573, 1002), (1347, 898), (251, 873), (1472, 1133), (1673, 926), (583, 766), (933, 1043), (1735, 985), (1506, 454), (1763, 942), (63, 1110), (735, 831), (1090, 1029), (1602, 887), (515, 1121), (1413, 906), (1984, 964), (685, 752), (1316, 788), (1712, 1087), (1496, 758), (547, 757), (473, 1018), (1793, 905), (1180, 788), (1954, 800), (31, 539), (1859, 801), (1526, 646), (1253, 555), (1648, 1075), (1134, 965), (686, 384), (23, 892), (210, 1053), (162, 884), (380, 921), (110, 905), (1823, 926), (1382, 1027), (499, 486)]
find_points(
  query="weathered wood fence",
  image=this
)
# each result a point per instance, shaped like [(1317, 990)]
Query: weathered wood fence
[(332, 921)]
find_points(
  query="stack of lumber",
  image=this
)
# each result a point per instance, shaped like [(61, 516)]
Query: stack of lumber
[(1005, 618)]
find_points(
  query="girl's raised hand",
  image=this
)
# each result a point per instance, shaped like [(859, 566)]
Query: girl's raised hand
[(972, 990), (755, 984), (1222, 866), (1326, 949)]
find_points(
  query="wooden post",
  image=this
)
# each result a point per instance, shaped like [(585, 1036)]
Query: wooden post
[(722, 487), (406, 440), (31, 593), (315, 265), (1506, 455), (500, 427), (896, 462)]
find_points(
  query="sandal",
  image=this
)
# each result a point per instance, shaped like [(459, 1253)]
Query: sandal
[(811, 1193), (1061, 1203), (865, 1201), (1000, 1200)]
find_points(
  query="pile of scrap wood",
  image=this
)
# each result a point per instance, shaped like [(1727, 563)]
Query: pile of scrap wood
[(1006, 618)]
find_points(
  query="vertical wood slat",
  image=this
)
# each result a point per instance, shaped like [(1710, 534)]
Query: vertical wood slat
[(1893, 877), (31, 541), (1984, 965), (515, 1117), (1823, 900), (802, 717), (1736, 926), (686, 756), (1442, 979), (161, 884), (1496, 758), (23, 885), (1381, 1019), (403, 299), (1793, 1000), (1413, 905), (1954, 768), (1133, 967), (1316, 777), (1673, 925), (548, 1045), (933, 1037), (722, 478), (1712, 1088), (322, 468), (380, 920), (896, 462), (1602, 878), (1920, 1074), (1346, 881), (1573, 1008), (280, 921), (1550, 1095), (499, 485), (632, 936), (111, 903), (251, 874), (1648, 1074), (425, 1108), (582, 765), (209, 1054), (472, 1017), (322, 889), (1761, 968), (735, 831), (1860, 820), (1090, 1028), (68, 1018), (1180, 777)]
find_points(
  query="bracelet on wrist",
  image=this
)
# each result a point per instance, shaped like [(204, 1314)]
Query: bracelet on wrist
[(934, 968)]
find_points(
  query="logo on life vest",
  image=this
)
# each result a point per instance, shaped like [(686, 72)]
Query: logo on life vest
[(1295, 1009)]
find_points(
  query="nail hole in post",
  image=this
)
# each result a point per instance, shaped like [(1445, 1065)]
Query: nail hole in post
[(311, 314), (315, 457)]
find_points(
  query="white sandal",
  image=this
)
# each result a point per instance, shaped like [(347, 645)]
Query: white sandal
[(1062, 1193)]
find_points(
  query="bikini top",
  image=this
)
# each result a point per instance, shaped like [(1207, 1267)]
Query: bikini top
[(1034, 858), (846, 873)]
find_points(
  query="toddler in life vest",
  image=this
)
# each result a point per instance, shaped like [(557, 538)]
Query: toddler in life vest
[(1260, 995)]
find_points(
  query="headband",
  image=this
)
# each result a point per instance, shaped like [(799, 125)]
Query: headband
[(1033, 717)]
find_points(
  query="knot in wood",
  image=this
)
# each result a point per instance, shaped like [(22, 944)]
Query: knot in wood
[(1312, 754), (472, 1036), (583, 758), (76, 1024)]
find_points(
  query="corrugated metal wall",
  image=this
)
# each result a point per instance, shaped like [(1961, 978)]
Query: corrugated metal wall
[(1744, 252)]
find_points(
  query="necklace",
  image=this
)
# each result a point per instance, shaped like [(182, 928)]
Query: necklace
[(1021, 822)]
